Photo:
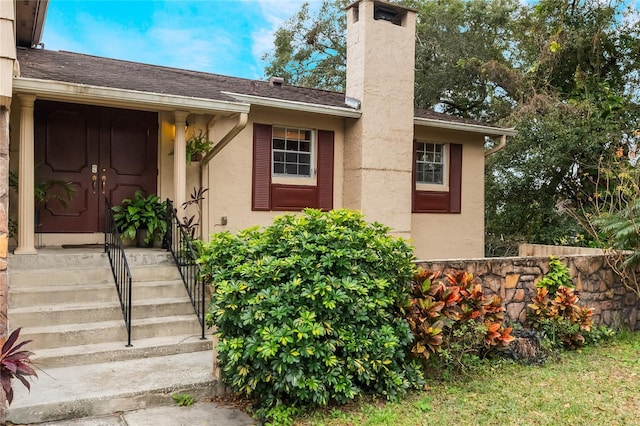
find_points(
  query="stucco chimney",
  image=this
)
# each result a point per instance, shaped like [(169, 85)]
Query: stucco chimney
[(379, 145)]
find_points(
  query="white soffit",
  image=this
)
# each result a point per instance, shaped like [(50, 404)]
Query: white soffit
[(108, 96)]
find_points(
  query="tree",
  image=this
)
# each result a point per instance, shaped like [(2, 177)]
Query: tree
[(309, 48)]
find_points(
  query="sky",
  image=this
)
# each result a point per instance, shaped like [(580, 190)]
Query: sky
[(219, 36)]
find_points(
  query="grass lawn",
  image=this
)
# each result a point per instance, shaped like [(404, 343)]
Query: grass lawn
[(597, 386)]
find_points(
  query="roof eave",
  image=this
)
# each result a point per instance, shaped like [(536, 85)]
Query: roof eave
[(108, 96), (465, 127), (296, 105)]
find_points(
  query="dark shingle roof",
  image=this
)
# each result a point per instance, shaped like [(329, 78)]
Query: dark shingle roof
[(105, 72)]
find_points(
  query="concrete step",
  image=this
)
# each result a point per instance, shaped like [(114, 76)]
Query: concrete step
[(97, 353), (71, 392), (47, 295), (57, 336), (63, 313), (70, 313), (58, 294), (167, 272), (58, 258), (60, 276)]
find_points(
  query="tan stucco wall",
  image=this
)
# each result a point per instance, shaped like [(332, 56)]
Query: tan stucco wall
[(229, 175), (445, 235), (378, 148)]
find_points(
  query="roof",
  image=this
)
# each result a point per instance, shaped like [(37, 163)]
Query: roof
[(61, 66), (113, 73)]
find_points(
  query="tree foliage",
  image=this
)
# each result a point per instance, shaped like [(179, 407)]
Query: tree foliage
[(309, 48), (564, 73)]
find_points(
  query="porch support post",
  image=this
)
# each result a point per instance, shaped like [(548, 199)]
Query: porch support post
[(26, 180), (179, 159)]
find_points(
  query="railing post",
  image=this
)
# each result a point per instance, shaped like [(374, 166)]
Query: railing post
[(201, 279)]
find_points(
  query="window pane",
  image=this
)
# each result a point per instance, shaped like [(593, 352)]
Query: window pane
[(305, 146), (278, 156), (292, 158), (304, 159), (279, 133), (278, 168), (278, 144), (292, 145), (305, 135), (304, 169), (291, 169)]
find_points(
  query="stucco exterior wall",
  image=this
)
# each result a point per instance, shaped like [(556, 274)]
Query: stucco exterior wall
[(378, 156), (447, 235), (229, 175)]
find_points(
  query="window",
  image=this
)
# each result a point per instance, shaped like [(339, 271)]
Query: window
[(430, 163), (437, 178), (291, 151), (280, 152)]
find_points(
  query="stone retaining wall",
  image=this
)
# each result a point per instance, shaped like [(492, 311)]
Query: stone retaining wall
[(514, 279)]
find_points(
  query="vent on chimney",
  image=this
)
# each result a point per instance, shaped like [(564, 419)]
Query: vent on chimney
[(276, 81), (388, 13)]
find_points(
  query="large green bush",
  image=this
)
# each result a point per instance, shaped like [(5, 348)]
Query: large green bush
[(307, 309)]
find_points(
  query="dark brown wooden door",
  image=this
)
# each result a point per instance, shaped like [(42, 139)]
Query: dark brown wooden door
[(104, 152)]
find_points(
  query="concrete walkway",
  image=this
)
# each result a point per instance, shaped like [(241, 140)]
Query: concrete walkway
[(199, 414)]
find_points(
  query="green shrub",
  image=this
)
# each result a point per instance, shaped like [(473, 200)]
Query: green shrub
[(557, 276), (307, 309), (452, 321)]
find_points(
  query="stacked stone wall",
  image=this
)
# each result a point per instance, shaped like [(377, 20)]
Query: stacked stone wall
[(514, 280)]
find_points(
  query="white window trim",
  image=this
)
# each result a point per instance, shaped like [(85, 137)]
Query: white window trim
[(297, 180), (444, 186)]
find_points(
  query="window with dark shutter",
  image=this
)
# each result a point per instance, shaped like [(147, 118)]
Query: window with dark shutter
[(271, 143), (439, 201)]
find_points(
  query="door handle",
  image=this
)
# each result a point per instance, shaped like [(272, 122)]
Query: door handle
[(104, 183), (94, 179)]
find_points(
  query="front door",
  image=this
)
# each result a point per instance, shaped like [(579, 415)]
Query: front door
[(103, 152)]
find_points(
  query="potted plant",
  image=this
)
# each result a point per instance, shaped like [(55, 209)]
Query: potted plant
[(198, 145), (141, 218)]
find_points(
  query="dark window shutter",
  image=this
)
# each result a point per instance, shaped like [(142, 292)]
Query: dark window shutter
[(261, 191), (325, 169), (455, 178), (437, 201)]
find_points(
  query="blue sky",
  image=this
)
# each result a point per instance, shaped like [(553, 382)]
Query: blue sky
[(219, 36)]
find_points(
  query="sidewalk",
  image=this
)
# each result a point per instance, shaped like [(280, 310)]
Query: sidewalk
[(199, 414)]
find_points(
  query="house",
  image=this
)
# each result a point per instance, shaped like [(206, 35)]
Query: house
[(111, 127)]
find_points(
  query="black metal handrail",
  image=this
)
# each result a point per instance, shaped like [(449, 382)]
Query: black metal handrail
[(178, 241), (119, 265)]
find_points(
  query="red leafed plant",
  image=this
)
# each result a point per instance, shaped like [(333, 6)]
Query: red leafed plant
[(15, 364), (452, 317)]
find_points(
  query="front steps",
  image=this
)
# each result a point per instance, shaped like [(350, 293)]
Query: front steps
[(66, 302)]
